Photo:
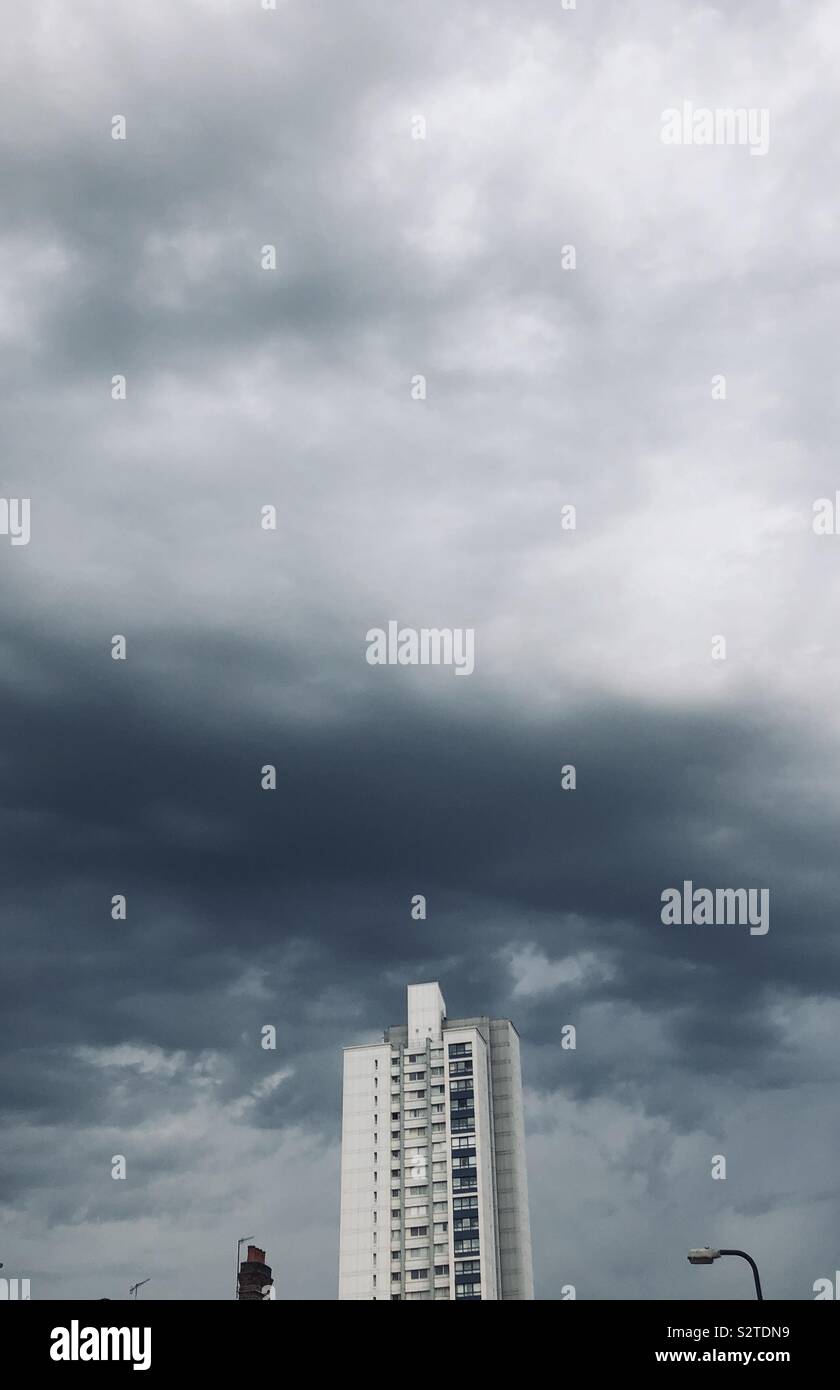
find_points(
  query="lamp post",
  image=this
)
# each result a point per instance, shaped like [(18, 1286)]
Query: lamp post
[(706, 1256), (239, 1245)]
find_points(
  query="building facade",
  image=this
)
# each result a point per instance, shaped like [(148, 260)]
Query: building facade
[(434, 1191)]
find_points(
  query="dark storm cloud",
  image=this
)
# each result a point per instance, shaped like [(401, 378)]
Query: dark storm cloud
[(221, 875)]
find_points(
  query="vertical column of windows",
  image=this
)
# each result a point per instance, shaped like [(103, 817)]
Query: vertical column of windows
[(396, 1146), (466, 1243), (415, 1128)]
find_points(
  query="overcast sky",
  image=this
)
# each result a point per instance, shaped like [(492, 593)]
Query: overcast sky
[(546, 387)]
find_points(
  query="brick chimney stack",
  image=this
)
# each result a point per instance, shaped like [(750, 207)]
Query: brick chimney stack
[(254, 1277)]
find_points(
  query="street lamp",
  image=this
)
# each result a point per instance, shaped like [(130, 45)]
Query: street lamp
[(239, 1244), (706, 1256)]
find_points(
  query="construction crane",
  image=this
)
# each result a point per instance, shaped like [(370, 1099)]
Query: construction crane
[(132, 1293)]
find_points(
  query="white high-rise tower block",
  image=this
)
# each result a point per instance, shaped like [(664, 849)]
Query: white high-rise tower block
[(434, 1190)]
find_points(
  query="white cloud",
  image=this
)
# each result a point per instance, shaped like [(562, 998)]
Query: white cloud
[(534, 974)]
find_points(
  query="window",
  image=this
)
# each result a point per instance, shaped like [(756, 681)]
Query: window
[(441, 1227), (417, 1076), (465, 1223), (395, 1192), (465, 1204), (395, 1114), (469, 1267), (441, 1269), (438, 1129), (465, 1182), (468, 1290), (463, 1143), (395, 1172), (437, 1071), (395, 1277), (467, 1247), (419, 1252), (465, 1160), (418, 1230), (438, 1109), (440, 1209), (417, 1274), (438, 1090), (416, 1057), (416, 1213), (438, 1187), (460, 1049), (414, 1192), (395, 1211), (460, 1068)]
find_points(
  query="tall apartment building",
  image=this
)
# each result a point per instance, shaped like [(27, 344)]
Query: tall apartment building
[(434, 1191)]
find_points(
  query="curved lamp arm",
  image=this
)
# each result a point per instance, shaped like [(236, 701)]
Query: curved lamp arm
[(753, 1266)]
